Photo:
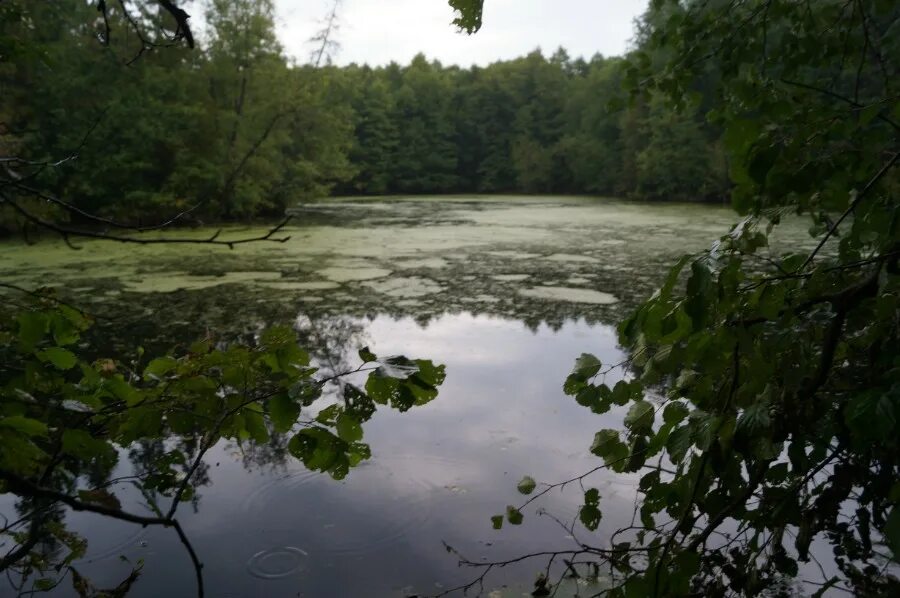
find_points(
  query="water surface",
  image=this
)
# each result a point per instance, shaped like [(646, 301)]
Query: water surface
[(506, 292)]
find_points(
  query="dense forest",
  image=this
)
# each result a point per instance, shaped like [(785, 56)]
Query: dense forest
[(236, 125)]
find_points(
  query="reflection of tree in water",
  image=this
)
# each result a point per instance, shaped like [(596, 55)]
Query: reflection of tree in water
[(151, 460), (237, 312), (269, 456), (331, 340), (37, 517), (133, 441)]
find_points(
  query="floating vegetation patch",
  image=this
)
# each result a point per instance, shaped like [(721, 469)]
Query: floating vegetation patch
[(511, 277), (295, 285), (339, 274), (537, 259), (569, 294), (433, 262), (571, 257), (514, 255), (405, 286), (167, 282)]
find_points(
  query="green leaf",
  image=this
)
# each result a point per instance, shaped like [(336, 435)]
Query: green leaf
[(83, 445), (283, 412), (867, 114), (65, 332), (698, 288), (586, 366), (588, 396), (329, 415), (640, 417), (638, 453), (25, 425), (678, 443), (159, 367), (771, 301), (381, 388), (32, 328), (497, 521), (674, 412), (348, 428), (590, 516), (366, 355), (514, 515), (358, 452), (142, 422), (468, 14), (62, 359), (672, 277), (122, 390), (429, 374), (754, 418), (623, 392), (278, 336), (201, 347), (608, 446), (527, 485), (255, 425)]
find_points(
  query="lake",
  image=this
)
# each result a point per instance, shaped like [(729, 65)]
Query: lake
[(505, 291)]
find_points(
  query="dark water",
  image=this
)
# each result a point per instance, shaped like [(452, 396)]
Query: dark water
[(266, 527), (505, 293)]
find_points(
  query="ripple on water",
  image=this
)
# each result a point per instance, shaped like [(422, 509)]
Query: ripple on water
[(127, 543), (378, 505), (276, 563)]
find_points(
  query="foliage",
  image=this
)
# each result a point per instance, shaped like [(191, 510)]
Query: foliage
[(233, 129), (230, 130), (66, 422), (764, 380), (536, 124), (764, 388)]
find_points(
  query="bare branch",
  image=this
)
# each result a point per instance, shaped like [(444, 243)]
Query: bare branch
[(325, 36), (66, 232), (20, 484)]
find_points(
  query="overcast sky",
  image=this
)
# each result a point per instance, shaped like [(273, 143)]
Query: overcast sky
[(381, 31)]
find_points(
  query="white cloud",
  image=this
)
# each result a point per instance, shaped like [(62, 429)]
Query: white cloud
[(380, 31)]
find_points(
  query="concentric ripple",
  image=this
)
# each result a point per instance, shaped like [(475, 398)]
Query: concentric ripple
[(379, 504), (130, 541), (278, 562)]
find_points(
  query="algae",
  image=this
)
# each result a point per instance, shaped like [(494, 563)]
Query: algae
[(569, 294)]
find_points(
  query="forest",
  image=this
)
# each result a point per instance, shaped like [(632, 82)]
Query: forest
[(239, 127), (271, 437)]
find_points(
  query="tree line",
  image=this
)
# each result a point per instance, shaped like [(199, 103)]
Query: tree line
[(235, 129)]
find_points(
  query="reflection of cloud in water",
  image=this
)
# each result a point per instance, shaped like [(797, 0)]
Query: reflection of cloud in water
[(501, 413), (437, 473), (453, 253)]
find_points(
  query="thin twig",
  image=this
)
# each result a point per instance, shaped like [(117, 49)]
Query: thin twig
[(65, 232), (859, 197)]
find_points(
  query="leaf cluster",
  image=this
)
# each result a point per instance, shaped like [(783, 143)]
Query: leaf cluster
[(66, 422)]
